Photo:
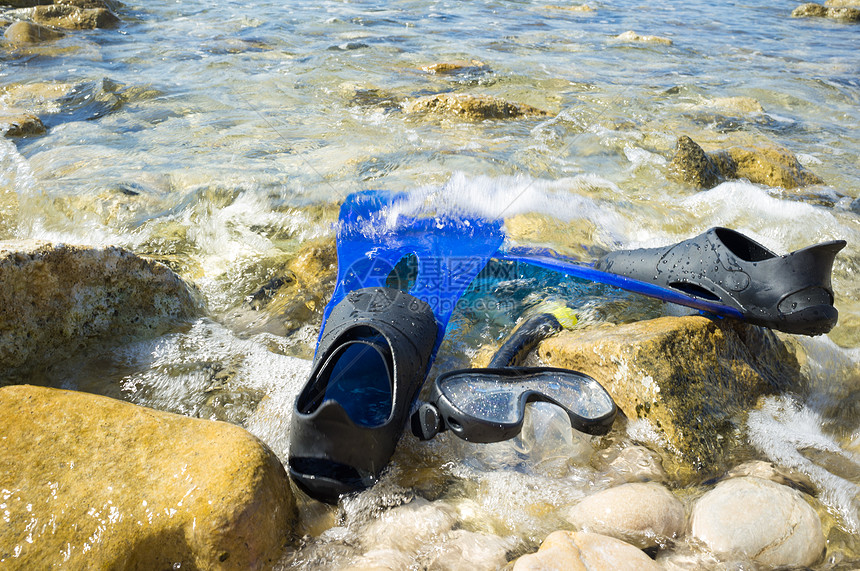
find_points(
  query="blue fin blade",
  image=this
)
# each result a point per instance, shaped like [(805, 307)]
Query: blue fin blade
[(552, 260), (449, 250)]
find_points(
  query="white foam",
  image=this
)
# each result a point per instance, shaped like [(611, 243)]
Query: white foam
[(177, 372), (496, 198), (639, 156), (778, 224)]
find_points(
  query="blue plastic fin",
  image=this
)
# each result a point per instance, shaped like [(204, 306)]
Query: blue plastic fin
[(447, 251), (552, 260)]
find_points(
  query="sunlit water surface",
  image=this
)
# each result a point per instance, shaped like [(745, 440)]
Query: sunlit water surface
[(219, 137)]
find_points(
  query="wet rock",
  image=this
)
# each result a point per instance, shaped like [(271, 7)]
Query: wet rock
[(455, 67), (855, 206), (73, 18), (308, 281), (103, 484), (777, 474), (15, 123), (691, 164), (642, 514), (470, 107), (631, 464), (842, 12), (37, 97), (688, 376), (381, 560), (411, 526), (770, 166), (769, 523), (463, 550), (535, 228), (843, 3), (738, 104), (631, 36), (581, 551), (29, 33), (56, 300), (809, 9)]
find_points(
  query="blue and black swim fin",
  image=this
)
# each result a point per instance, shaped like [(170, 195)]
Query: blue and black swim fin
[(791, 293), (399, 278)]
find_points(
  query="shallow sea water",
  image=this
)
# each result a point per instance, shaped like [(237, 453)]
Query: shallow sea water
[(212, 135)]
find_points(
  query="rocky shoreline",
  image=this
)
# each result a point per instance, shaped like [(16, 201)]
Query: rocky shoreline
[(256, 521), (87, 480)]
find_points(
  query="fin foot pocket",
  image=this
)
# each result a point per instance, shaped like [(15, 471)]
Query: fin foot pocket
[(791, 293)]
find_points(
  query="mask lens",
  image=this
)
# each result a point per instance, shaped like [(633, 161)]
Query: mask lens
[(497, 398), (491, 400)]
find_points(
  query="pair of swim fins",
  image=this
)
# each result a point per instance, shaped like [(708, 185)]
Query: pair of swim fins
[(378, 342)]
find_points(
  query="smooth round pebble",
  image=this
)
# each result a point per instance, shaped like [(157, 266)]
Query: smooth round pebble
[(644, 514), (767, 522), (581, 551)]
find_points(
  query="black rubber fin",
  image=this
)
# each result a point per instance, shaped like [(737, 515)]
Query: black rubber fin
[(791, 293), (371, 362)]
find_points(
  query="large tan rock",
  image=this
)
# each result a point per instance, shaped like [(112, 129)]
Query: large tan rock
[(29, 33), (642, 514), (470, 107), (688, 376), (582, 551), (58, 300), (769, 523), (90, 482)]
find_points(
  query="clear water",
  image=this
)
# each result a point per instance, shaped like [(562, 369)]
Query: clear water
[(218, 136)]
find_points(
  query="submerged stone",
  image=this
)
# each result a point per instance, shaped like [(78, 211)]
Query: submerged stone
[(471, 107), (468, 550), (96, 483), (56, 300), (759, 519), (14, 123), (455, 67), (688, 376), (642, 514), (408, 527), (572, 8), (29, 33), (631, 36), (582, 551), (630, 464)]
